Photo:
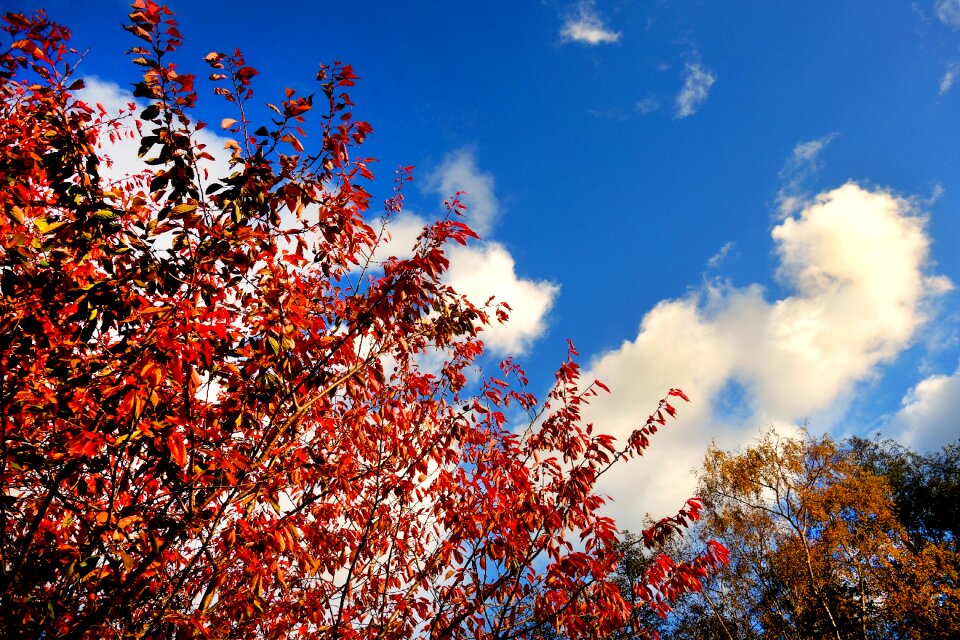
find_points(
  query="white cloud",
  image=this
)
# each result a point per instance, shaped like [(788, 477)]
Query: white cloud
[(459, 172), (486, 268), (949, 12), (480, 271), (483, 268), (489, 270), (949, 77), (935, 194), (696, 88), (123, 150), (930, 417), (853, 260), (400, 237), (586, 27)]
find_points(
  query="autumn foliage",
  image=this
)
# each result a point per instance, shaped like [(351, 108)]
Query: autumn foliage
[(849, 541), (215, 421)]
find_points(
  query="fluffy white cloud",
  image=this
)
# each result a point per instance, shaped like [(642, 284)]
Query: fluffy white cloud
[(480, 271), (400, 237), (120, 154), (949, 77), (949, 12), (585, 26), (459, 172), (930, 417), (853, 260), (489, 270), (696, 88), (484, 268)]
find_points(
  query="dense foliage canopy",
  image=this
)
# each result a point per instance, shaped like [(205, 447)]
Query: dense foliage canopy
[(217, 415)]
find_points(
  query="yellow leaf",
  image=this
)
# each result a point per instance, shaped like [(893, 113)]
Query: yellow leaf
[(127, 560), (46, 227), (186, 207)]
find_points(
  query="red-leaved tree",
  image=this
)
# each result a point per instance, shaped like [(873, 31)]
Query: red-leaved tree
[(214, 424)]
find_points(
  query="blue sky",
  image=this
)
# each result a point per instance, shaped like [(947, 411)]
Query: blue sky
[(757, 202)]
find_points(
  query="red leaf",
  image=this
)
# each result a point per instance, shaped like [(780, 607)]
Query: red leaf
[(178, 450)]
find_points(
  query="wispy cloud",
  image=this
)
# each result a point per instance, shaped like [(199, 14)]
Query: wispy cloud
[(803, 162), (696, 88), (807, 152), (647, 105), (720, 256), (949, 77), (936, 192), (585, 26), (612, 113), (949, 12)]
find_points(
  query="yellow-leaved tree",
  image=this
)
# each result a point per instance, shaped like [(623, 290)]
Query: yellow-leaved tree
[(827, 539)]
